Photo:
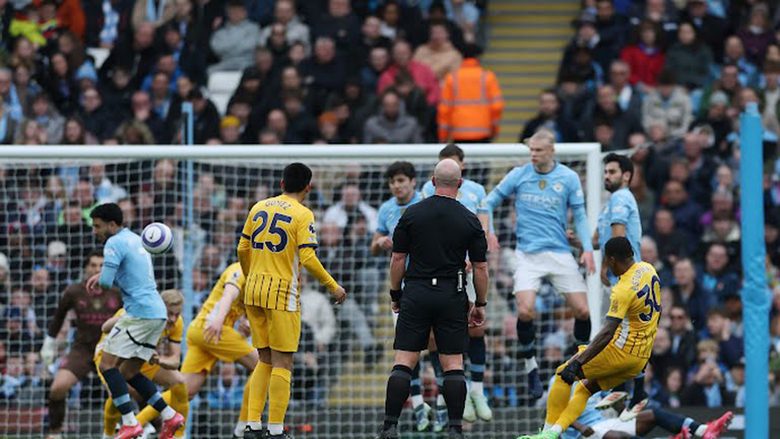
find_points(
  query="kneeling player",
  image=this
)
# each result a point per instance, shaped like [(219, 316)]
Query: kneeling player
[(162, 368), (211, 337), (620, 350)]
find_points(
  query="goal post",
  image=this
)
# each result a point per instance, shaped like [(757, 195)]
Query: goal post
[(205, 191)]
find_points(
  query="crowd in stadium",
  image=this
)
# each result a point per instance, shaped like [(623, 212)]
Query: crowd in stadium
[(664, 79)]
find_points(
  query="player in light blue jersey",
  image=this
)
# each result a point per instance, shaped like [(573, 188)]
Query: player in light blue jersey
[(471, 194), (133, 339), (402, 180), (544, 192), (620, 217)]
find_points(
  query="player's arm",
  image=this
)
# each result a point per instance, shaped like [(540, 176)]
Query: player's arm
[(108, 325), (601, 340), (173, 359), (213, 329), (503, 190), (244, 249), (315, 268), (49, 348), (485, 217), (477, 251), (582, 428), (381, 243), (583, 232), (397, 271)]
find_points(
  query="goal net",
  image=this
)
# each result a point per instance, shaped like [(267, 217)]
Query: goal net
[(204, 193)]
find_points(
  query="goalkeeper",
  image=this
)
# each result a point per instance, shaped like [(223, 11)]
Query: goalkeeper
[(91, 309)]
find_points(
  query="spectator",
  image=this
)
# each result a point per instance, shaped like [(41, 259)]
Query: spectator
[(757, 35), (325, 72), (712, 29), (459, 118), (134, 56), (278, 123), (155, 12), (24, 85), (664, 17), (649, 253), (466, 15), (629, 98), (588, 38), (295, 30), (371, 38), (721, 329), (612, 27), (392, 125), (104, 189), (683, 339), (550, 117), (438, 53), (8, 125), (345, 212), (5, 280), (229, 390), (15, 382), (673, 386), (735, 54), (99, 120), (75, 133), (670, 102), (708, 386), (8, 95), (18, 340), (60, 84), (234, 43), (688, 293), (728, 83), (422, 74), (685, 211), (770, 95), (607, 111), (145, 117), (646, 56), (717, 118), (340, 24), (689, 59), (414, 99)]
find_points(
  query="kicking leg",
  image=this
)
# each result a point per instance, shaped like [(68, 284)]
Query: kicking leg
[(576, 405)]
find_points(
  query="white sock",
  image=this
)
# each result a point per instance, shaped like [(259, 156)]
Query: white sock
[(255, 425), (275, 429), (531, 364), (129, 419), (239, 430), (478, 387), (547, 426), (440, 401), (700, 431), (417, 400), (557, 428), (167, 413)]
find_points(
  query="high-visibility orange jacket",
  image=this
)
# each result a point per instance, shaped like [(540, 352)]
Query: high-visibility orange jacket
[(470, 106)]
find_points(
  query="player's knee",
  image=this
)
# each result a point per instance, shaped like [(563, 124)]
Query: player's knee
[(581, 311)]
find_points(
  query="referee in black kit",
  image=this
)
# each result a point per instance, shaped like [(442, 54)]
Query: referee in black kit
[(436, 234)]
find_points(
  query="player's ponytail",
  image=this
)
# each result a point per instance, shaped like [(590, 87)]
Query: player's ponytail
[(172, 298)]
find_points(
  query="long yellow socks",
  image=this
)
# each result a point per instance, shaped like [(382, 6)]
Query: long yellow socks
[(258, 391), (279, 398), (244, 415), (575, 407), (559, 396)]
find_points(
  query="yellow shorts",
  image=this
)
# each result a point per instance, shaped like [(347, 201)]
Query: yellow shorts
[(147, 369), (611, 367), (202, 356), (279, 330)]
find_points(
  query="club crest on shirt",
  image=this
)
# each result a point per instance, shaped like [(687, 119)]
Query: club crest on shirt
[(542, 184), (557, 187)]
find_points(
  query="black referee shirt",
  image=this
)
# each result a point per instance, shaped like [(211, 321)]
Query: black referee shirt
[(437, 233)]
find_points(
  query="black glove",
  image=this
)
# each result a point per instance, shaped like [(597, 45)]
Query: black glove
[(395, 295), (572, 372)]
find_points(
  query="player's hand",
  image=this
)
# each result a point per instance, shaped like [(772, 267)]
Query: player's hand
[(155, 359), (588, 432), (93, 286), (212, 332), (49, 351), (605, 274), (587, 260), (476, 316), (492, 242), (244, 328), (385, 243), (572, 372), (395, 306), (340, 295)]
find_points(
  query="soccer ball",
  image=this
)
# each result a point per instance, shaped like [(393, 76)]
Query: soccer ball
[(157, 238)]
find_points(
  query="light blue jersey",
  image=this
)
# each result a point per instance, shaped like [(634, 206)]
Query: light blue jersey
[(589, 417), (542, 202), (390, 212), (128, 265), (471, 195), (621, 209)]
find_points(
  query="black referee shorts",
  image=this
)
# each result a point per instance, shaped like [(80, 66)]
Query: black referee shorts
[(440, 307)]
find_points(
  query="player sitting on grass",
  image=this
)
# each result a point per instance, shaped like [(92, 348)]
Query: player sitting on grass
[(211, 337), (619, 351), (162, 368)]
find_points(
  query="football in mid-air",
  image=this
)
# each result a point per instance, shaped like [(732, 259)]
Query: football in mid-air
[(157, 238)]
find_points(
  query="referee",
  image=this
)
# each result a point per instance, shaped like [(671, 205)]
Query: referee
[(436, 234)]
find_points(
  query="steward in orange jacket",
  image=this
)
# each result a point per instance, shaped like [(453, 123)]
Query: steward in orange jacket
[(470, 106)]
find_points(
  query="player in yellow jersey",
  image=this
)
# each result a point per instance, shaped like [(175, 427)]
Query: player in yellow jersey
[(278, 238), (211, 337), (162, 368), (619, 351)]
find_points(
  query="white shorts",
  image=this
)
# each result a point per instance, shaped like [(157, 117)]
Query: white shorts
[(559, 268), (614, 424), (134, 338)]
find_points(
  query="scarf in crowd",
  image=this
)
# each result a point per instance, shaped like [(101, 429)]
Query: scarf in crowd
[(110, 30), (154, 15)]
